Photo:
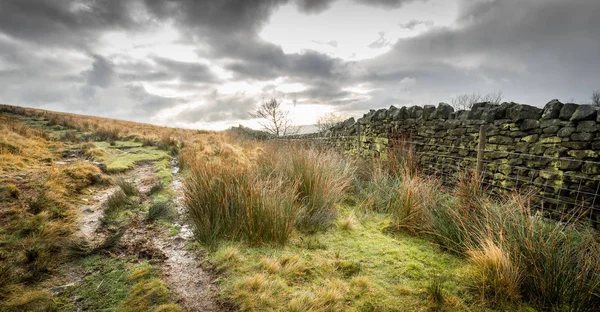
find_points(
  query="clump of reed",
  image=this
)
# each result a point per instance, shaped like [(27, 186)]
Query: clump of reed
[(320, 180), (235, 203)]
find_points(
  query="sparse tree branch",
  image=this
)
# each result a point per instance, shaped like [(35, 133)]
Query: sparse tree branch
[(273, 118), (465, 101), (326, 122), (596, 98)]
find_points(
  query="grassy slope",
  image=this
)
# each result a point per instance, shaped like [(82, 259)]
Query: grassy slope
[(352, 267), (32, 246)]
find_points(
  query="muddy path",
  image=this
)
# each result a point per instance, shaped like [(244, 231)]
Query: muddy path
[(180, 267)]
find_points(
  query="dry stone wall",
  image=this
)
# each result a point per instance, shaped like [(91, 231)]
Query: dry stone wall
[(555, 148)]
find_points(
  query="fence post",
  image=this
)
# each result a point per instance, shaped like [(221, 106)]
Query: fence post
[(481, 150), (358, 141)]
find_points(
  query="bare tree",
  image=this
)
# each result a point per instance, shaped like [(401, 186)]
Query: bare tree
[(273, 118), (326, 122), (465, 101), (596, 98)]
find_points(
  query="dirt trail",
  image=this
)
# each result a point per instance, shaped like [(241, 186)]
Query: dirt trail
[(181, 268)]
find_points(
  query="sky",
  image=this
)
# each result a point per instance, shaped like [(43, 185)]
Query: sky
[(207, 64)]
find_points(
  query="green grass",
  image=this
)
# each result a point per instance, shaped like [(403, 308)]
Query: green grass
[(116, 285), (362, 269), (118, 160)]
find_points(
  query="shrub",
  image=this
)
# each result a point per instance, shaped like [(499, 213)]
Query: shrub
[(226, 202)]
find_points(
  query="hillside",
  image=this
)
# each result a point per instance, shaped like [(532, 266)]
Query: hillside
[(101, 214)]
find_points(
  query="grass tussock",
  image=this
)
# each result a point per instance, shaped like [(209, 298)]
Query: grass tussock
[(517, 253), (116, 203), (127, 187), (235, 203), (322, 181), (160, 211)]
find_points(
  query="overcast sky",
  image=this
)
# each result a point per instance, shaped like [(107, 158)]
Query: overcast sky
[(206, 64)]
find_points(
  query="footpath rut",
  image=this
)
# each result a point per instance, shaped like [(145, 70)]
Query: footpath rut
[(180, 267)]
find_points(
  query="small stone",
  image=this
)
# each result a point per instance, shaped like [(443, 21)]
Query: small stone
[(590, 168)]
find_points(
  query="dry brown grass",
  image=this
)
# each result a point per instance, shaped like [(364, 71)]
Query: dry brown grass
[(496, 276), (37, 216)]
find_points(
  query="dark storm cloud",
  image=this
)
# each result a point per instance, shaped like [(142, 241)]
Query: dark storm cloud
[(532, 50), (101, 73), (218, 107), (68, 22), (317, 6)]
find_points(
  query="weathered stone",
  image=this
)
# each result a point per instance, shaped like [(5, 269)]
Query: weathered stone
[(585, 136), (349, 122), (552, 140), (380, 114), (528, 124), (538, 149), (522, 147), (399, 114), (586, 126), (555, 152), (552, 109), (581, 154), (498, 139), (566, 112), (515, 161), (427, 112), (551, 123), (551, 130), (495, 154), (565, 132), (531, 138), (590, 168), (575, 145), (569, 164), (551, 174), (596, 145), (584, 112), (443, 111), (512, 134), (523, 111), (415, 112)]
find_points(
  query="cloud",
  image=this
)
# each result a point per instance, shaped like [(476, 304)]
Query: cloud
[(59, 55), (412, 24), (380, 43), (101, 74), (218, 107)]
